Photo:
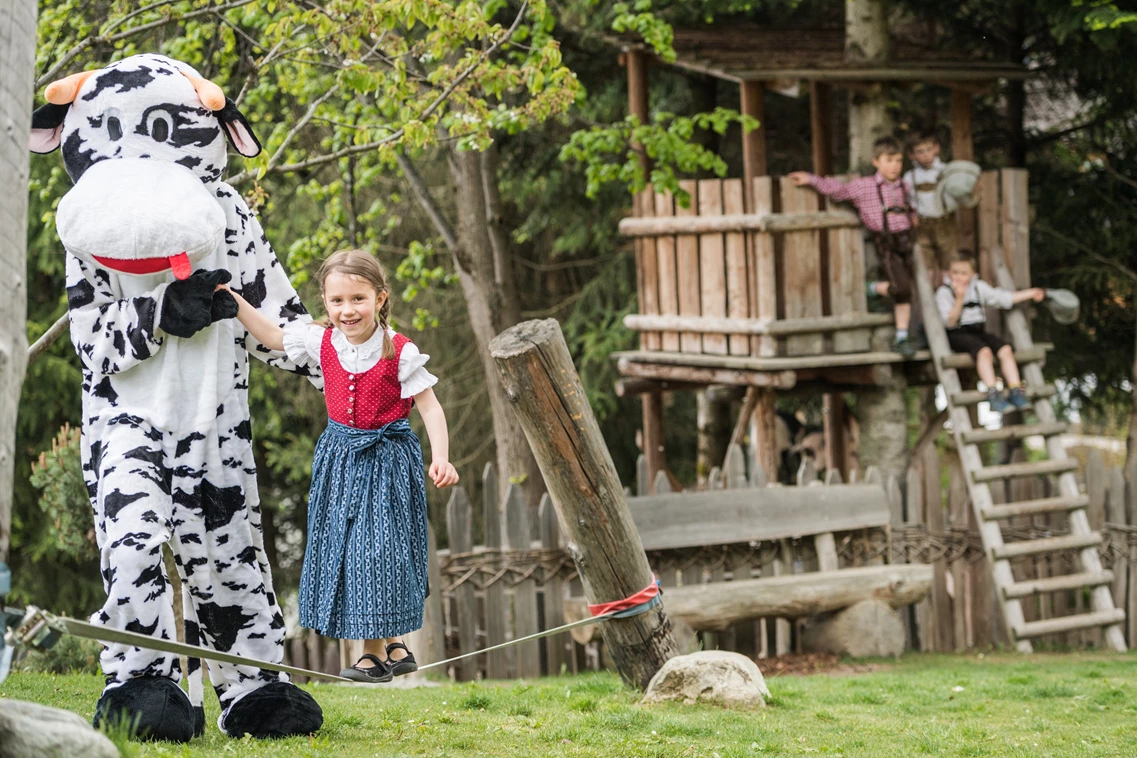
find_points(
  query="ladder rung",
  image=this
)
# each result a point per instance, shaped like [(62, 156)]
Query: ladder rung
[(1069, 623), (974, 397), (1032, 507), (1016, 470), (1031, 354), (1058, 583), (1046, 545), (1017, 432)]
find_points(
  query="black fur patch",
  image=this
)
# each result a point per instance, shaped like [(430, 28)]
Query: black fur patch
[(218, 505), (222, 623), (125, 81), (104, 390), (115, 501), (255, 291), (79, 294), (184, 444)]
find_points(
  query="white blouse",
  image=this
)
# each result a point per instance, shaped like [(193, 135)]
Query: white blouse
[(303, 340)]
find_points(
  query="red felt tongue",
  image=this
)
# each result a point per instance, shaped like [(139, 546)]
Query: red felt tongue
[(180, 265)]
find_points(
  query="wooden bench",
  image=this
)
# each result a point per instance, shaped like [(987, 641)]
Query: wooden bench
[(787, 535)]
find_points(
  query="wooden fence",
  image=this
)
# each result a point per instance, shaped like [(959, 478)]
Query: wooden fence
[(519, 581)]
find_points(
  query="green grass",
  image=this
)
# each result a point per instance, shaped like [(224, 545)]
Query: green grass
[(1073, 704)]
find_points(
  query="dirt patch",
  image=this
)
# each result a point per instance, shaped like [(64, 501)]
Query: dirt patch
[(804, 664)]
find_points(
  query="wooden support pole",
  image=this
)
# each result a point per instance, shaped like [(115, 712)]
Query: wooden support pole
[(541, 383), (637, 92), (963, 149), (754, 142), (821, 128), (653, 438)]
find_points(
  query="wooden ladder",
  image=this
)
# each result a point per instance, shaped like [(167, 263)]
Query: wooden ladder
[(1081, 538)]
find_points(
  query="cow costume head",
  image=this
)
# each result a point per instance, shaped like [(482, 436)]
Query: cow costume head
[(169, 125)]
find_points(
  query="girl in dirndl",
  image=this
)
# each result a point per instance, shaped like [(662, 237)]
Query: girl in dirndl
[(365, 566)]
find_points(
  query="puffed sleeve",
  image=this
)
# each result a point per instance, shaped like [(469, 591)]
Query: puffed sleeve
[(413, 375), (302, 340)]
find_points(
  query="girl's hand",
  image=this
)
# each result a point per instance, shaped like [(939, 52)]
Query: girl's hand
[(443, 474), (220, 287)]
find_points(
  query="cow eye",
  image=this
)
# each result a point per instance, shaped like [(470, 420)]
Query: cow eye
[(158, 125)]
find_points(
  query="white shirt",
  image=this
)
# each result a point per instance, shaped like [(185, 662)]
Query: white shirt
[(979, 295), (303, 341), (927, 205)]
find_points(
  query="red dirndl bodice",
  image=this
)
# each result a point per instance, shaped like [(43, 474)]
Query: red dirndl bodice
[(369, 400)]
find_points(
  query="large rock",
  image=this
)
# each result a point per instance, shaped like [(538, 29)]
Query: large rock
[(28, 730), (709, 676), (870, 628)]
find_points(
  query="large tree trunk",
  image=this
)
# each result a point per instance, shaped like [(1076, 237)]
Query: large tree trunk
[(884, 435), (866, 42), (485, 272), (18, 42), (1131, 437)]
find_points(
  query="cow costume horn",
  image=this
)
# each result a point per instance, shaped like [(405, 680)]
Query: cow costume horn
[(64, 91)]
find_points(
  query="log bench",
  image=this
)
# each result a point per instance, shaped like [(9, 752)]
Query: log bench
[(792, 533)]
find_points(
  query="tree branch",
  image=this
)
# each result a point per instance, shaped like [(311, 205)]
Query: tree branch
[(1120, 268), (292, 132), (422, 194), (48, 338), (398, 133), (50, 75)]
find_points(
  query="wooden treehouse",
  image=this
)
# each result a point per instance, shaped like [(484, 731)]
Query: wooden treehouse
[(761, 284)]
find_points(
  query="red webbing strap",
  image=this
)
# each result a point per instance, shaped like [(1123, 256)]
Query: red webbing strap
[(640, 598)]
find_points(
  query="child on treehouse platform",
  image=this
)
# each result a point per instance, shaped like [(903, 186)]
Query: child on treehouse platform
[(963, 303), (884, 205), (365, 565)]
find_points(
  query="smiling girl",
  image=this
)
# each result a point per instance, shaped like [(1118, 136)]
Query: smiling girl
[(364, 574)]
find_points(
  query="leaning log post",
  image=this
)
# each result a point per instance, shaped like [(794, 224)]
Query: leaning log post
[(542, 384)]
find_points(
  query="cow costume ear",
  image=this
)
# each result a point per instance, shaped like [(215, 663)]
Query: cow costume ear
[(237, 128), (47, 121), (47, 126)]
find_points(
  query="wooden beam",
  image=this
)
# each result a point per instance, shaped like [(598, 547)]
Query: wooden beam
[(637, 92), (717, 605), (736, 222), (834, 426), (855, 74), (766, 437), (627, 387), (537, 372), (709, 325), (703, 377), (821, 127), (767, 364), (753, 143), (655, 451)]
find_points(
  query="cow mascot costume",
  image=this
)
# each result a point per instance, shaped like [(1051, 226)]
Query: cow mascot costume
[(150, 231)]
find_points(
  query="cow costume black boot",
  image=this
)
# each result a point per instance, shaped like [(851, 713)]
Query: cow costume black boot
[(276, 710), (155, 707)]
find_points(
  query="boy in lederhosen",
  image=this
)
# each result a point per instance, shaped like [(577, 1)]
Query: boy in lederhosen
[(937, 231), (884, 205)]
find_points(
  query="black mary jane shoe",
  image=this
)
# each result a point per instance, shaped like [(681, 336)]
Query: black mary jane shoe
[(376, 674), (404, 665)]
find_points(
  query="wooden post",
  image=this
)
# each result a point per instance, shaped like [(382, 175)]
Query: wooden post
[(458, 525), (558, 647), (963, 149), (525, 622), (754, 142), (539, 379), (653, 440), (821, 128), (497, 663)]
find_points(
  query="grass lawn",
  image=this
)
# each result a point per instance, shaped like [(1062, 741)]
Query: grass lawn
[(1073, 704)]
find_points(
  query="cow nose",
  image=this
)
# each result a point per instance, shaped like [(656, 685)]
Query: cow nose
[(114, 129)]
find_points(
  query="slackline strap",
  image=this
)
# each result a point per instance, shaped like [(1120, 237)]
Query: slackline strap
[(36, 620)]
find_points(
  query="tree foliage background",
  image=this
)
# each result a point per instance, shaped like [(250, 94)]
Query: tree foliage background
[(364, 109)]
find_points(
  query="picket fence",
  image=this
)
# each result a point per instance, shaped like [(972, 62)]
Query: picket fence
[(519, 580)]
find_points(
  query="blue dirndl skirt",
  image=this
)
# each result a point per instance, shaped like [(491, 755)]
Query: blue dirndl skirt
[(365, 574)]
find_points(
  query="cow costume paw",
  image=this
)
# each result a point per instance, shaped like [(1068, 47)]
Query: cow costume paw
[(157, 707), (191, 304), (276, 710)]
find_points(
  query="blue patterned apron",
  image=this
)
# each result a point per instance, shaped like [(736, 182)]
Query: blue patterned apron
[(364, 574)]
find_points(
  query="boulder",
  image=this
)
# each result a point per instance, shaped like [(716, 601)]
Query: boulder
[(29, 730), (709, 676), (870, 628)]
